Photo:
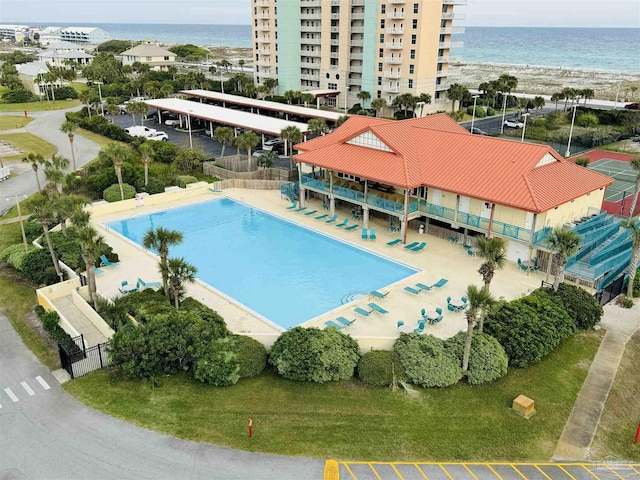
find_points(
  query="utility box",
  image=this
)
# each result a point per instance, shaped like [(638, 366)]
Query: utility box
[(524, 406)]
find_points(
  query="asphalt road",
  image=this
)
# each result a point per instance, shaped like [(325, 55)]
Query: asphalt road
[(46, 434), (491, 125)]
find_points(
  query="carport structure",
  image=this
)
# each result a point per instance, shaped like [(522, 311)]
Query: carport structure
[(220, 115), (264, 105)]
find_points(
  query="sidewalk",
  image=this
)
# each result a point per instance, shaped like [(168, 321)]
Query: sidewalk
[(582, 424)]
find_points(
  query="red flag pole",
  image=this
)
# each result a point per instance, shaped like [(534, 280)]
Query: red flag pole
[(637, 434), (250, 428)]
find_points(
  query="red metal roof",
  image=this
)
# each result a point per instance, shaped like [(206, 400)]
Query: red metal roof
[(437, 152)]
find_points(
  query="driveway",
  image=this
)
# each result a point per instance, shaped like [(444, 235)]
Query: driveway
[(45, 433)]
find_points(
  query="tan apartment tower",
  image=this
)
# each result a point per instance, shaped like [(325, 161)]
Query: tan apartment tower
[(384, 47)]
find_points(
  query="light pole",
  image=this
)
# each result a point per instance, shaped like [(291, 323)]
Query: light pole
[(473, 114), (504, 109), (189, 122), (573, 118), (24, 235), (221, 82), (100, 94), (346, 92), (525, 115), (615, 105)]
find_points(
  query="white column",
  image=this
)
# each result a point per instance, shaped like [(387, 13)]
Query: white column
[(332, 205), (403, 226), (365, 217)]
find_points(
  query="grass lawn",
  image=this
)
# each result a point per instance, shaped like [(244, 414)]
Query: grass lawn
[(38, 106), (13, 121), (17, 298), (621, 415), (79, 86), (350, 421), (28, 143), (94, 137)]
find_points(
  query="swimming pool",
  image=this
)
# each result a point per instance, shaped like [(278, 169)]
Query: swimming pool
[(286, 273)]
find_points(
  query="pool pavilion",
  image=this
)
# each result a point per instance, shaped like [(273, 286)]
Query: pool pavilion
[(430, 174)]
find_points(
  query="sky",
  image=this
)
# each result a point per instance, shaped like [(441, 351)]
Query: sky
[(507, 13)]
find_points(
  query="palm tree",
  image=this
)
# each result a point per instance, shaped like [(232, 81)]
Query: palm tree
[(423, 99), (289, 96), (633, 225), (565, 243), (35, 159), (90, 246), (117, 153), (635, 164), (160, 240), (455, 93), (66, 206), (54, 171), (179, 272), (241, 65), (586, 93), (247, 141), (363, 95), (568, 93), (317, 126), (270, 84), (224, 135), (70, 128), (478, 300), (41, 207), (138, 108), (146, 155), (378, 104), (112, 110), (291, 135), (307, 98), (556, 97), (85, 98), (493, 252)]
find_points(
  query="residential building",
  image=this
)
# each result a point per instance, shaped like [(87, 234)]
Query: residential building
[(65, 54), (32, 76), (47, 35), (384, 47), (14, 33), (155, 56), (89, 35), (431, 172)]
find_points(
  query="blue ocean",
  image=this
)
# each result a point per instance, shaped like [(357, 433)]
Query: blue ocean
[(604, 49)]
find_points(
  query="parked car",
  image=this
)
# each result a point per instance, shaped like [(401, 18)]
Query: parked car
[(477, 131), (123, 108), (633, 106), (636, 138), (513, 123), (140, 131), (275, 145), (158, 136), (172, 122)]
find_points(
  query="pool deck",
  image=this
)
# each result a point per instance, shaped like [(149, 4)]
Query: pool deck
[(440, 259)]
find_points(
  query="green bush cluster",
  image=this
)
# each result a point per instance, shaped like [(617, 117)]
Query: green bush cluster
[(69, 251), (380, 367), (426, 361), (480, 112), (528, 328), (14, 255), (251, 354), (19, 95), (50, 321), (64, 93), (183, 180), (217, 363), (33, 229), (490, 112), (112, 193), (587, 120), (314, 355), (488, 360), (34, 264), (580, 305), (153, 186), (99, 125)]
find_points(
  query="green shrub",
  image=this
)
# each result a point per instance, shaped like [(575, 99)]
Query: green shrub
[(488, 360), (587, 120), (636, 284), (624, 301), (19, 96), (579, 304), (50, 321), (112, 193), (217, 363), (380, 367), (251, 355), (314, 355), (183, 180), (14, 255), (32, 229), (153, 186), (528, 328), (63, 93), (583, 161), (425, 360), (490, 112), (38, 267), (480, 113)]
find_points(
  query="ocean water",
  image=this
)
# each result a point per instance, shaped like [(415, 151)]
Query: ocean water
[(605, 49)]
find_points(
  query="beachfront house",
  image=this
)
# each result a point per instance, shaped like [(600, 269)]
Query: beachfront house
[(431, 175), (155, 56), (65, 54)]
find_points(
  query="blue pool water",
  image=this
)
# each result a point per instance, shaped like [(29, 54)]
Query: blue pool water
[(286, 273)]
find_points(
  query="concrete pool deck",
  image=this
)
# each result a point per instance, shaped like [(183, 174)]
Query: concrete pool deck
[(440, 259)]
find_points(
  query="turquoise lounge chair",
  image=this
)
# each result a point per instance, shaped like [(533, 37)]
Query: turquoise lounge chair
[(362, 311), (332, 219), (372, 234), (293, 205), (377, 308), (97, 271), (378, 294), (345, 322), (333, 324), (351, 228), (343, 223), (411, 245), (213, 190), (322, 217), (412, 290), (142, 283), (394, 242), (106, 262), (440, 283), (311, 212), (300, 209), (419, 247), (364, 234), (422, 286)]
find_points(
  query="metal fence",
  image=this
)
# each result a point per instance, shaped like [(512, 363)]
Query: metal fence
[(78, 360), (611, 291)]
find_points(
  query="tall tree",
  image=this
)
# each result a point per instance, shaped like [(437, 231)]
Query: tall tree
[(493, 252), (317, 126), (456, 93), (363, 96), (65, 207), (423, 99), (138, 108), (635, 164), (160, 240), (35, 159), (568, 94), (70, 128), (224, 135), (54, 171), (146, 155), (564, 244), (270, 84), (241, 64), (90, 247), (247, 141), (117, 153), (42, 209), (378, 104), (85, 98), (307, 98), (556, 97), (291, 135), (477, 300), (179, 272)]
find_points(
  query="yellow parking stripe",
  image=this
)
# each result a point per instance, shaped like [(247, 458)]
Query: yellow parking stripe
[(540, 470), (634, 468), (445, 471), (421, 472), (350, 472), (614, 472), (470, 472), (517, 471), (565, 471), (374, 471), (397, 472), (496, 473)]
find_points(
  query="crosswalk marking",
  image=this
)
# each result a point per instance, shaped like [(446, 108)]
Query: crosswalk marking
[(42, 382), (11, 395), (27, 389)]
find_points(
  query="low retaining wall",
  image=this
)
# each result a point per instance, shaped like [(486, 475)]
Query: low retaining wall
[(46, 296), (91, 314)]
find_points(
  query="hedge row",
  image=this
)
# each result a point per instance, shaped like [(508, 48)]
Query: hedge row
[(100, 125), (34, 264)]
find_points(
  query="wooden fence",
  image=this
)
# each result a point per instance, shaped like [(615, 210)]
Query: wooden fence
[(236, 163), (210, 168)]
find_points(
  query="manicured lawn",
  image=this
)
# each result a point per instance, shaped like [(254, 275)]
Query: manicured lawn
[(621, 415), (11, 122), (38, 106), (94, 137), (350, 421), (28, 143), (79, 86), (17, 298)]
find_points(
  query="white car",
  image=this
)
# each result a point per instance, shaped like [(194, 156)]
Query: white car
[(140, 131), (172, 122), (513, 124), (158, 136)]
